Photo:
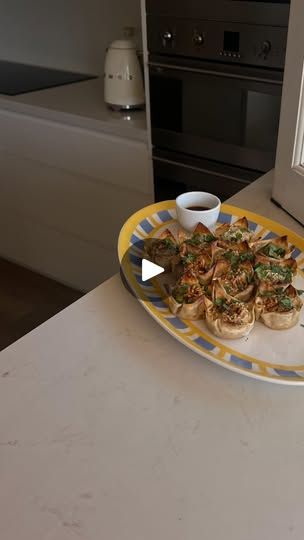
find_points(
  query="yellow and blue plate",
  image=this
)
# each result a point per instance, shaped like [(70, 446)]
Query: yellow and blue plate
[(271, 355)]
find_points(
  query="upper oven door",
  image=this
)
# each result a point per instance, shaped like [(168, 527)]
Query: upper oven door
[(230, 116)]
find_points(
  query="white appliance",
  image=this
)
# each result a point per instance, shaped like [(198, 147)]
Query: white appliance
[(123, 80)]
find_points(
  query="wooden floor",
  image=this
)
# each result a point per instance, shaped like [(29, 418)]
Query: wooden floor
[(28, 299)]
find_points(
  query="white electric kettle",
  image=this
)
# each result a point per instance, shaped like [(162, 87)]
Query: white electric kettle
[(123, 81)]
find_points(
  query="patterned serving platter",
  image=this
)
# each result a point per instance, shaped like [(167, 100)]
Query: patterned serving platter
[(271, 355)]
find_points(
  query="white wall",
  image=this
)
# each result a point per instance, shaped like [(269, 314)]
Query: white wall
[(68, 34)]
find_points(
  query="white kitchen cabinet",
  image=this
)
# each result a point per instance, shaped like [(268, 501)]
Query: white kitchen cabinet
[(65, 193), (75, 149)]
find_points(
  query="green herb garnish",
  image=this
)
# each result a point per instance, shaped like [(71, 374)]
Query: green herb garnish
[(194, 241), (232, 257), (179, 292), (300, 291), (221, 304), (286, 303), (235, 258), (198, 239), (190, 258), (208, 238), (168, 243), (248, 256), (271, 250), (278, 273)]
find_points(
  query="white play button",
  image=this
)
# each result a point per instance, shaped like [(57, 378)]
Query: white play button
[(150, 270)]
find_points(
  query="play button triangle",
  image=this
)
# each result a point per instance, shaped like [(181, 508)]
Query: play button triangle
[(150, 270)]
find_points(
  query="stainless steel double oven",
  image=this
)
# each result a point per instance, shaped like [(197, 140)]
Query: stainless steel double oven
[(215, 90)]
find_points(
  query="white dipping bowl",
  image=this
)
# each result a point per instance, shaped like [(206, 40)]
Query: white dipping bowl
[(189, 219)]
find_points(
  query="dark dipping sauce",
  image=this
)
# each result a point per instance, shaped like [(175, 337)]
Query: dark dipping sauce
[(198, 208)]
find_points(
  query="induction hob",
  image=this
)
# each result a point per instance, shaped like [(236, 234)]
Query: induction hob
[(18, 78)]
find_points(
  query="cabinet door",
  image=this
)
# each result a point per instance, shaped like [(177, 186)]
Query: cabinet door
[(117, 160)]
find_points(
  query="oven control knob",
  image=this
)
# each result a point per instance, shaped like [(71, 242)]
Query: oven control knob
[(265, 49), (167, 37), (198, 39)]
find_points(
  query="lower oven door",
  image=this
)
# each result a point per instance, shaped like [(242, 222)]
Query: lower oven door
[(224, 113), (174, 174)]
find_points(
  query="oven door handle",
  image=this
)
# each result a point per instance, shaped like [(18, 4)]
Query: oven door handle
[(159, 67), (199, 169)]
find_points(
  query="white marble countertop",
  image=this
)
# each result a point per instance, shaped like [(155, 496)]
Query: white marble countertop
[(80, 104), (110, 429)]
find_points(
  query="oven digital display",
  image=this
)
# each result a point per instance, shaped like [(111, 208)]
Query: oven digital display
[(232, 42)]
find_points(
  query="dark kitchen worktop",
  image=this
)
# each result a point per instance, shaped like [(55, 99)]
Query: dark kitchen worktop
[(17, 78)]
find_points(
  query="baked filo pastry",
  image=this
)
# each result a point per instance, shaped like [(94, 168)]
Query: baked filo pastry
[(236, 279), (187, 299), (200, 239), (276, 272), (227, 317), (235, 232), (200, 265), (195, 249), (233, 252), (163, 251), (274, 249), (278, 309)]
